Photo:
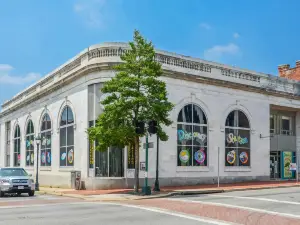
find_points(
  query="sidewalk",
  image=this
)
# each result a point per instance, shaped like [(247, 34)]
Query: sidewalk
[(126, 194)]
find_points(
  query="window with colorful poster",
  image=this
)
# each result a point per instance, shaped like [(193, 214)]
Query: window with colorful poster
[(192, 137), (287, 157), (46, 139), (67, 152), (237, 139), (29, 144), (17, 146)]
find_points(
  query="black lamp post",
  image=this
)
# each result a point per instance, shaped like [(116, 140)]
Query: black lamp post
[(37, 140), (156, 184)]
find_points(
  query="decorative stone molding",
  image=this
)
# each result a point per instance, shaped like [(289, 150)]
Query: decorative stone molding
[(240, 75), (172, 65)]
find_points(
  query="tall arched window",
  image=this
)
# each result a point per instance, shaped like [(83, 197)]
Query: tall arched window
[(237, 139), (30, 144), (17, 146), (192, 136), (46, 158), (67, 137)]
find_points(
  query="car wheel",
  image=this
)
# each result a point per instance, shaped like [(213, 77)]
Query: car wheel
[(1, 194), (18, 194), (31, 193)]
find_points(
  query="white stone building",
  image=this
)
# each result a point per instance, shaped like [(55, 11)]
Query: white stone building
[(252, 118)]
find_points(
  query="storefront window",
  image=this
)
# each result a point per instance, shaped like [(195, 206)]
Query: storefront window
[(46, 157), (67, 138), (237, 139), (17, 146), (272, 124), (30, 144), (192, 137), (286, 125)]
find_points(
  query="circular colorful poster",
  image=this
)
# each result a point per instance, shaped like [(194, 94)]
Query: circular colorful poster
[(244, 157), (71, 156), (200, 156), (184, 156), (63, 156), (43, 157), (231, 157), (48, 157)]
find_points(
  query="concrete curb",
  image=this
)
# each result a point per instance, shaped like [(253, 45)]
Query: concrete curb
[(170, 194)]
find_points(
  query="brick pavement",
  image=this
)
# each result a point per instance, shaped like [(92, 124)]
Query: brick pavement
[(233, 215), (225, 187)]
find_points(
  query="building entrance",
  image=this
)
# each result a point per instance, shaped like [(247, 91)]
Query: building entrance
[(275, 170)]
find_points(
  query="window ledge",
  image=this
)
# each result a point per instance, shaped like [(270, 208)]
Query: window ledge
[(66, 169), (238, 169), (107, 178), (29, 168), (46, 168), (192, 169)]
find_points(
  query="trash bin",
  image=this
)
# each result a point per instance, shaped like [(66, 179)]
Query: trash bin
[(76, 180)]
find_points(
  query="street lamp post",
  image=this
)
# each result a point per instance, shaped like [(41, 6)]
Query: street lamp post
[(156, 184), (37, 140)]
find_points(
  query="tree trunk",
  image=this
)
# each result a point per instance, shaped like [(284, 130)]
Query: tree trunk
[(137, 164)]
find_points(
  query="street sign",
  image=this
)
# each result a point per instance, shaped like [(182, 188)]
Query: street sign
[(293, 167), (142, 166)]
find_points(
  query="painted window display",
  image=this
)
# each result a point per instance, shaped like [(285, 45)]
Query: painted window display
[(17, 146), (237, 139), (67, 138), (46, 138), (192, 136), (29, 144)]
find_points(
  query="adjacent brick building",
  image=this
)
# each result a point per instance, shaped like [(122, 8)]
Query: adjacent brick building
[(286, 71)]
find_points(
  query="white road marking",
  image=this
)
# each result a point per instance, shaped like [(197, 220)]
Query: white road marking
[(157, 210), (258, 199), (44, 205), (239, 207), (167, 212)]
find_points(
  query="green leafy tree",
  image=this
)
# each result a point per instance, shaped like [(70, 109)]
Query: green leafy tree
[(135, 94)]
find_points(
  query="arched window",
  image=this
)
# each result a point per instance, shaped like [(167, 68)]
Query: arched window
[(46, 140), (67, 137), (192, 136), (17, 146), (30, 144), (237, 139)]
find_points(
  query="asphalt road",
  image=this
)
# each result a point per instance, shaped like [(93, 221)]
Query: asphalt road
[(46, 210), (283, 201)]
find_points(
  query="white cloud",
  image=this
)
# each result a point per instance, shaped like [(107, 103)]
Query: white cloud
[(91, 11), (7, 78), (217, 51), (205, 26), (236, 35), (5, 67)]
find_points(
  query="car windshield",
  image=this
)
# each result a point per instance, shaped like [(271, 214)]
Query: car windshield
[(11, 172)]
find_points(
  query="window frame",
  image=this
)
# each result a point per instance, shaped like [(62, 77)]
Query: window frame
[(44, 131), (203, 148), (17, 149), (67, 148), (29, 136), (237, 149)]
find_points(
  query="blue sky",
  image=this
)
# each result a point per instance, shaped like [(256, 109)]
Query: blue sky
[(38, 36)]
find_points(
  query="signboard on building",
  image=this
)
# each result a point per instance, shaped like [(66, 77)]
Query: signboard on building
[(293, 167), (142, 166)]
